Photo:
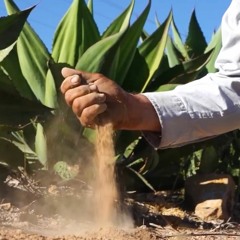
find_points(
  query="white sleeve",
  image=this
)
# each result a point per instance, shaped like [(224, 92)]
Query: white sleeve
[(206, 107), (196, 111)]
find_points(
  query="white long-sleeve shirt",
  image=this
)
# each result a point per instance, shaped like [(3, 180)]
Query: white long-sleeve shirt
[(206, 107)]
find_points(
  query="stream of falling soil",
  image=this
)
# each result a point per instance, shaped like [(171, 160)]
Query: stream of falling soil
[(106, 192)]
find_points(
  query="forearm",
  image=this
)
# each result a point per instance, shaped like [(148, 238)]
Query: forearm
[(196, 111)]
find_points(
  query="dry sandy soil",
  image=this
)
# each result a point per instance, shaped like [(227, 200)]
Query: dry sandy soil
[(58, 213)]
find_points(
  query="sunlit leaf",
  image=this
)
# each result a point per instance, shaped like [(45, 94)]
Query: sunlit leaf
[(118, 23), (182, 73), (41, 146), (148, 58), (11, 26), (12, 68), (127, 47), (178, 41), (195, 42), (76, 32), (216, 44), (32, 57)]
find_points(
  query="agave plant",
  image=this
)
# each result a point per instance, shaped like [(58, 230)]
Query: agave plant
[(158, 62)]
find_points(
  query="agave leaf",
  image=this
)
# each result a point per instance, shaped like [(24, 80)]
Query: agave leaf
[(117, 25), (11, 26), (15, 76), (147, 59), (17, 138), (195, 42), (209, 160), (6, 84), (144, 180), (216, 44), (98, 58), (151, 163), (90, 6), (55, 74), (16, 110), (182, 73), (127, 47), (76, 32), (172, 53), (178, 41), (144, 35), (51, 95), (11, 155), (41, 145), (167, 87), (33, 56), (6, 51)]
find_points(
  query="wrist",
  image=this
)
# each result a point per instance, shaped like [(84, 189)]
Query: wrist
[(140, 114)]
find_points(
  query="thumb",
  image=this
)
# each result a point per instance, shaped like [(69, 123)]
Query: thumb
[(67, 72)]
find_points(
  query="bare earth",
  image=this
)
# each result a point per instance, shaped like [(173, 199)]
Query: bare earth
[(56, 214)]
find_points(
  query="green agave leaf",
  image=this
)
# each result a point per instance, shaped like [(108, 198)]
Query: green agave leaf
[(151, 163), (51, 94), (33, 56), (147, 59), (12, 68), (178, 41), (144, 180), (6, 84), (18, 139), (127, 47), (90, 134), (11, 155), (216, 44), (98, 58), (76, 32), (182, 73), (41, 145), (195, 42), (11, 26), (6, 51), (118, 23), (144, 35), (16, 110), (167, 87), (90, 6), (172, 53), (209, 160)]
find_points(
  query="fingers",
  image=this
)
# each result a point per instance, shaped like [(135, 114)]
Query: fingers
[(90, 114), (70, 82), (82, 95), (80, 103), (79, 91), (75, 77), (68, 72)]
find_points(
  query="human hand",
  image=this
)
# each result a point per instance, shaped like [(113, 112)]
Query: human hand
[(96, 99)]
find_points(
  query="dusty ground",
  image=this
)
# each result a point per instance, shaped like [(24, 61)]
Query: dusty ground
[(55, 213)]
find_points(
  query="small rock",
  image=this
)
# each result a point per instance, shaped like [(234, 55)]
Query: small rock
[(211, 196)]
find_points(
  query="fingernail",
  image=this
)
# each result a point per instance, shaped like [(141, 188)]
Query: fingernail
[(102, 96), (93, 87), (75, 79)]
